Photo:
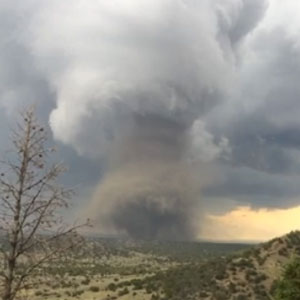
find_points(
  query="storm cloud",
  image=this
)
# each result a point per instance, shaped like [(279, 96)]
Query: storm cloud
[(140, 88)]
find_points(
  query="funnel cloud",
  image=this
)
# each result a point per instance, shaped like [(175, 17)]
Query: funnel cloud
[(149, 191)]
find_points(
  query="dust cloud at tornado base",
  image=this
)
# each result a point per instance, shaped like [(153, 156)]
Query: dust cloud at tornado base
[(149, 191)]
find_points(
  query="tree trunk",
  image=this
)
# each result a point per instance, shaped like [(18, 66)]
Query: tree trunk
[(7, 293)]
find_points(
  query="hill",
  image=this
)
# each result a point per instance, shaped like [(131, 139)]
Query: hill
[(248, 274)]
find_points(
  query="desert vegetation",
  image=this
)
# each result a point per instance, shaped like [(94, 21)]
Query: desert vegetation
[(108, 268)]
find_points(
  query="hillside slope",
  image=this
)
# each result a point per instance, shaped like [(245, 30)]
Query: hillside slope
[(248, 274)]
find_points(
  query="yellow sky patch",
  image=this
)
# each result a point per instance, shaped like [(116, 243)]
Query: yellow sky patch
[(246, 224)]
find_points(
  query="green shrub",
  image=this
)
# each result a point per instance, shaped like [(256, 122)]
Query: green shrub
[(112, 287), (288, 287)]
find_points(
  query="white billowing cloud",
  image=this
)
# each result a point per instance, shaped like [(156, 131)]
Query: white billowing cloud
[(204, 148), (104, 60), (283, 14), (108, 59)]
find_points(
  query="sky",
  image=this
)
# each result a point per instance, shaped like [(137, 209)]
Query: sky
[(177, 118)]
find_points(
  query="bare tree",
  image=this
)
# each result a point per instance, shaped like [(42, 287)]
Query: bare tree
[(31, 229)]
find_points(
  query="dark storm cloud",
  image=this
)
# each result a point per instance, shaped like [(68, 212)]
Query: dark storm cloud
[(267, 138), (252, 187), (82, 172), (263, 128), (20, 82), (259, 144)]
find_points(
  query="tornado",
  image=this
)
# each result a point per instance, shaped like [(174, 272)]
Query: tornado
[(149, 191)]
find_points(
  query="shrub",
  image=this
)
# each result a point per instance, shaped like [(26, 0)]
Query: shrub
[(112, 287), (123, 292), (288, 287), (85, 281), (94, 288)]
